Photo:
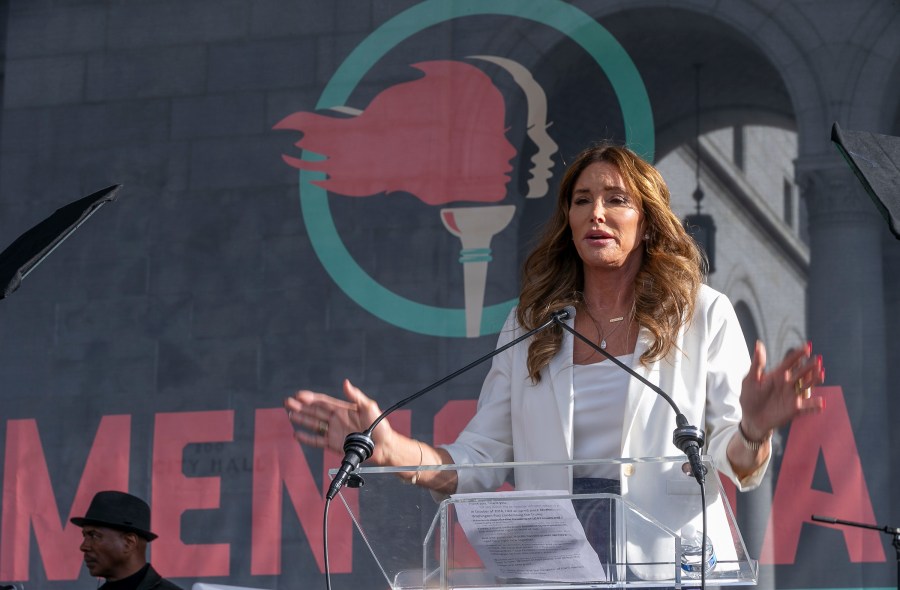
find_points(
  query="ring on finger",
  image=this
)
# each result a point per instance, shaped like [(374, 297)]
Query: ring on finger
[(322, 429), (802, 391)]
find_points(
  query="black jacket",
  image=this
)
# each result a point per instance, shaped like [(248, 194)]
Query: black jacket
[(153, 581)]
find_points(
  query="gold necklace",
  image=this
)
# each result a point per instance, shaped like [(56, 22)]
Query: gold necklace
[(603, 341), (617, 321)]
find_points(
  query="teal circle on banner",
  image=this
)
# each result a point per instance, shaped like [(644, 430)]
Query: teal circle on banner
[(330, 249)]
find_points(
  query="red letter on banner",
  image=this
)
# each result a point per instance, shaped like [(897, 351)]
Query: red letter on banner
[(451, 419), (795, 500), (279, 464), (28, 497), (174, 493)]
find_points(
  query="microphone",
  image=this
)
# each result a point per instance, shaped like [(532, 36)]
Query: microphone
[(689, 439), (359, 446)]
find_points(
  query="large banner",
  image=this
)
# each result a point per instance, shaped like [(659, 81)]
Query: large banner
[(410, 175)]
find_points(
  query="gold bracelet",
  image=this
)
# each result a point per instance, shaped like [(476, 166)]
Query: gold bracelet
[(415, 476), (752, 445)]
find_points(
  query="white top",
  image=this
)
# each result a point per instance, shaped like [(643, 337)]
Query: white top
[(600, 393)]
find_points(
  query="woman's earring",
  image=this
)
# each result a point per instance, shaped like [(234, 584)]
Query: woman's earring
[(647, 236)]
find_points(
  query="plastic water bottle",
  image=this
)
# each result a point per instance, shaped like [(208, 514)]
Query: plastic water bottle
[(692, 553)]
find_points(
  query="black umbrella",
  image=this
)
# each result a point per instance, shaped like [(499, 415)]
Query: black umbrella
[(29, 249), (875, 159)]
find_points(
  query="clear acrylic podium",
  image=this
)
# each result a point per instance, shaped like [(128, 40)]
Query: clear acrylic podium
[(639, 534)]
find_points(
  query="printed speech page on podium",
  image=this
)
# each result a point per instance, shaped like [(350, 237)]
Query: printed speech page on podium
[(522, 535)]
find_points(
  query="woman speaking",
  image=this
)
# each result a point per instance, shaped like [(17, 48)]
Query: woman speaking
[(617, 258)]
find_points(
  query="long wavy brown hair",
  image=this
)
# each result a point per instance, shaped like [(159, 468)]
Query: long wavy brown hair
[(665, 287)]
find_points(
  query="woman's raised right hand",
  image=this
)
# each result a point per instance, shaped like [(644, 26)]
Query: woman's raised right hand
[(324, 421)]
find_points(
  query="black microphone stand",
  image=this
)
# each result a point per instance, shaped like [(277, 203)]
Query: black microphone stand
[(893, 531), (359, 446), (689, 439)]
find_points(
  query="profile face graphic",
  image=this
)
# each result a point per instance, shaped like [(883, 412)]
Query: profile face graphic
[(439, 138)]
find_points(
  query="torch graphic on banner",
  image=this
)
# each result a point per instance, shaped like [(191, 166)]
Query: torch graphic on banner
[(441, 138), (475, 226)]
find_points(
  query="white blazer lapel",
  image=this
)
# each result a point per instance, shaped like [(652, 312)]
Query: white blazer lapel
[(635, 406), (560, 371)]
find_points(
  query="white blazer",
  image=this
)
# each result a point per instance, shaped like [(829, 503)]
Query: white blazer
[(519, 421)]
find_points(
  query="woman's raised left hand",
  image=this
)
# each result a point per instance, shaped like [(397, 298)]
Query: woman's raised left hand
[(770, 400)]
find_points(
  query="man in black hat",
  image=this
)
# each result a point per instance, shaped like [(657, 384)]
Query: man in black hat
[(115, 532)]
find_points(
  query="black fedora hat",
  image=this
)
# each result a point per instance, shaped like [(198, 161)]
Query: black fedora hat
[(118, 510)]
